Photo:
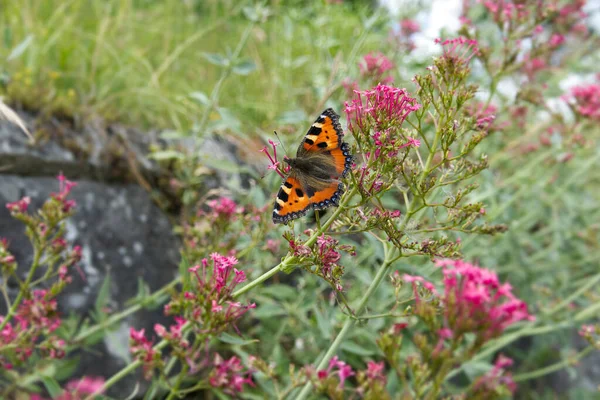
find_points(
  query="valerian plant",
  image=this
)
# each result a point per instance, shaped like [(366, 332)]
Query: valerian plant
[(418, 159)]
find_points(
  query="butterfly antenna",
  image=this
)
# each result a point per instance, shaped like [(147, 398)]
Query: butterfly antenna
[(280, 142)]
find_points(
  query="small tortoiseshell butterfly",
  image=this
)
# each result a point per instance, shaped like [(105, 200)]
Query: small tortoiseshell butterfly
[(313, 181)]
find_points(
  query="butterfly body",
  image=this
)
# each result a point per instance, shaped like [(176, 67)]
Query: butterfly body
[(314, 179)]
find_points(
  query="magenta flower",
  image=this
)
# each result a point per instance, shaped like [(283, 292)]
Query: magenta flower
[(379, 109), (373, 66), (340, 368), (85, 385), (459, 50), (274, 163), (376, 371), (477, 302), (497, 376), (229, 375), (586, 100), (19, 206), (409, 26)]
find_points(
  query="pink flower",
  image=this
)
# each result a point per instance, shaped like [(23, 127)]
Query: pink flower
[(497, 376), (477, 302), (459, 50), (586, 100), (379, 108), (409, 26), (375, 371), (224, 208), (85, 385), (19, 206), (374, 66), (273, 158), (556, 40), (229, 375), (413, 278)]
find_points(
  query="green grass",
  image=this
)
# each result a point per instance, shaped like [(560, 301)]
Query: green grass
[(138, 61)]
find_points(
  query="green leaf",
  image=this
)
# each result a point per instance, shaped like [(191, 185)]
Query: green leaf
[(268, 311), (66, 367), (216, 59), (166, 155), (52, 386), (236, 340), (20, 48), (281, 292), (244, 68), (103, 295), (323, 323), (354, 348), (200, 98)]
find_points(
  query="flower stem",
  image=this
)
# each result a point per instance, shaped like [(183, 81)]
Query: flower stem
[(119, 316), (350, 321), (24, 287), (290, 258), (554, 367)]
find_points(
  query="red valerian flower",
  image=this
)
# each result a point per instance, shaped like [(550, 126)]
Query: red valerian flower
[(459, 50), (374, 65), (477, 302), (497, 376), (19, 206), (585, 100), (229, 375)]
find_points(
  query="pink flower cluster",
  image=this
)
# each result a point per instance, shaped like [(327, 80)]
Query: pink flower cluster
[(379, 109), (497, 376), (35, 320), (144, 351), (339, 368), (325, 255), (387, 144), (476, 301), (225, 207), (459, 51), (64, 191), (275, 164), (204, 306), (483, 114), (207, 301), (229, 375), (586, 100), (374, 66), (505, 9)]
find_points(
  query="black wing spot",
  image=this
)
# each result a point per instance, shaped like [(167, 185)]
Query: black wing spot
[(309, 141), (322, 145), (283, 196), (299, 192), (288, 185)]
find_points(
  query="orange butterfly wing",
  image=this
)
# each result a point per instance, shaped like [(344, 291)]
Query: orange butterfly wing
[(291, 201), (324, 136)]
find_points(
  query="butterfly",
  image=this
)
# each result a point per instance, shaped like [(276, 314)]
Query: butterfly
[(313, 182)]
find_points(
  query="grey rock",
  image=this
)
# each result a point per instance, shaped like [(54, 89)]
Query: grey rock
[(122, 233)]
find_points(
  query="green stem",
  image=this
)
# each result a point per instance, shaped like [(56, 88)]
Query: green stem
[(119, 316), (134, 365), (290, 259), (175, 388), (554, 367), (24, 286), (287, 262), (225, 72), (350, 321)]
